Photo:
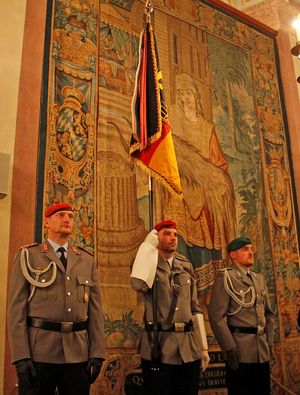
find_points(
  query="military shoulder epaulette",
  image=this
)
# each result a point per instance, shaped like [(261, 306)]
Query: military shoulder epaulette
[(29, 245), (85, 250), (224, 269), (181, 258)]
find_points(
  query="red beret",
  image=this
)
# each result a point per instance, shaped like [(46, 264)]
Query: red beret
[(57, 207), (165, 224)]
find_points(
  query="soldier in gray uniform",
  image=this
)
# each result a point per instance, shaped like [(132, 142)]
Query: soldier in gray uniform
[(55, 320), (174, 340), (243, 322)]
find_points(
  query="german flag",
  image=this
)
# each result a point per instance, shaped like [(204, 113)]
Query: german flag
[(151, 143)]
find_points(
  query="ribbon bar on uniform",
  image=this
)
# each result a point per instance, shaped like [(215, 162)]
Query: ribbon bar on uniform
[(56, 326), (260, 330), (176, 327)]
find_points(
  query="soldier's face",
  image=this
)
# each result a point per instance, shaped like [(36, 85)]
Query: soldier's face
[(243, 256), (60, 224), (167, 238)]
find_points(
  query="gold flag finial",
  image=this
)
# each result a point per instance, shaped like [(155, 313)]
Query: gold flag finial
[(148, 10)]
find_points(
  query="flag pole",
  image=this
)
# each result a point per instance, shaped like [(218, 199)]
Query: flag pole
[(151, 204), (152, 147), (148, 11), (155, 349)]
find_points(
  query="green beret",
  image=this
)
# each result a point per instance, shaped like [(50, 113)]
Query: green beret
[(237, 243)]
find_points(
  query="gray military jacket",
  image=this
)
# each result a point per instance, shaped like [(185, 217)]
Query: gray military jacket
[(74, 296), (175, 346), (252, 348)]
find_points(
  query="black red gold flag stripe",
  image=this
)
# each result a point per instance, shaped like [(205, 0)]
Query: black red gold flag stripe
[(151, 143)]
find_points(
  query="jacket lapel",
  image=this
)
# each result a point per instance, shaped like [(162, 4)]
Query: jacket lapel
[(241, 275), (49, 252), (163, 265), (73, 256), (177, 266), (254, 280), (247, 280)]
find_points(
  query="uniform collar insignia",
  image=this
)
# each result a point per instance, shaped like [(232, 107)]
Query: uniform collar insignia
[(238, 274), (44, 247), (75, 250), (253, 273)]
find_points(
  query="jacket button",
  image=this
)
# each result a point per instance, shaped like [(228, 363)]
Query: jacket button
[(69, 293), (69, 309)]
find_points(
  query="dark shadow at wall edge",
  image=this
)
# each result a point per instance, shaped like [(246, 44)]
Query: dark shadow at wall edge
[(288, 140), (43, 126)]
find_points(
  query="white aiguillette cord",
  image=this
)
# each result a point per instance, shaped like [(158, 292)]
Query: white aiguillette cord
[(34, 282)]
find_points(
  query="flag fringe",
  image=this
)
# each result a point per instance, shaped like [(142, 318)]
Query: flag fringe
[(157, 90), (152, 139), (156, 136), (152, 173)]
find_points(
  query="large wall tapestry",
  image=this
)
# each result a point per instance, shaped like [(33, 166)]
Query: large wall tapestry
[(72, 104), (221, 84)]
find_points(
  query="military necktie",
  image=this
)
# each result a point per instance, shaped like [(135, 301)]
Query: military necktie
[(62, 256), (249, 276)]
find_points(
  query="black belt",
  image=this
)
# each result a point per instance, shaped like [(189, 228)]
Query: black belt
[(56, 326), (176, 327), (260, 330)]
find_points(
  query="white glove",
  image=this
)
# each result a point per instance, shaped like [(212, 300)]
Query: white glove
[(204, 360), (145, 263), (152, 238), (201, 333)]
